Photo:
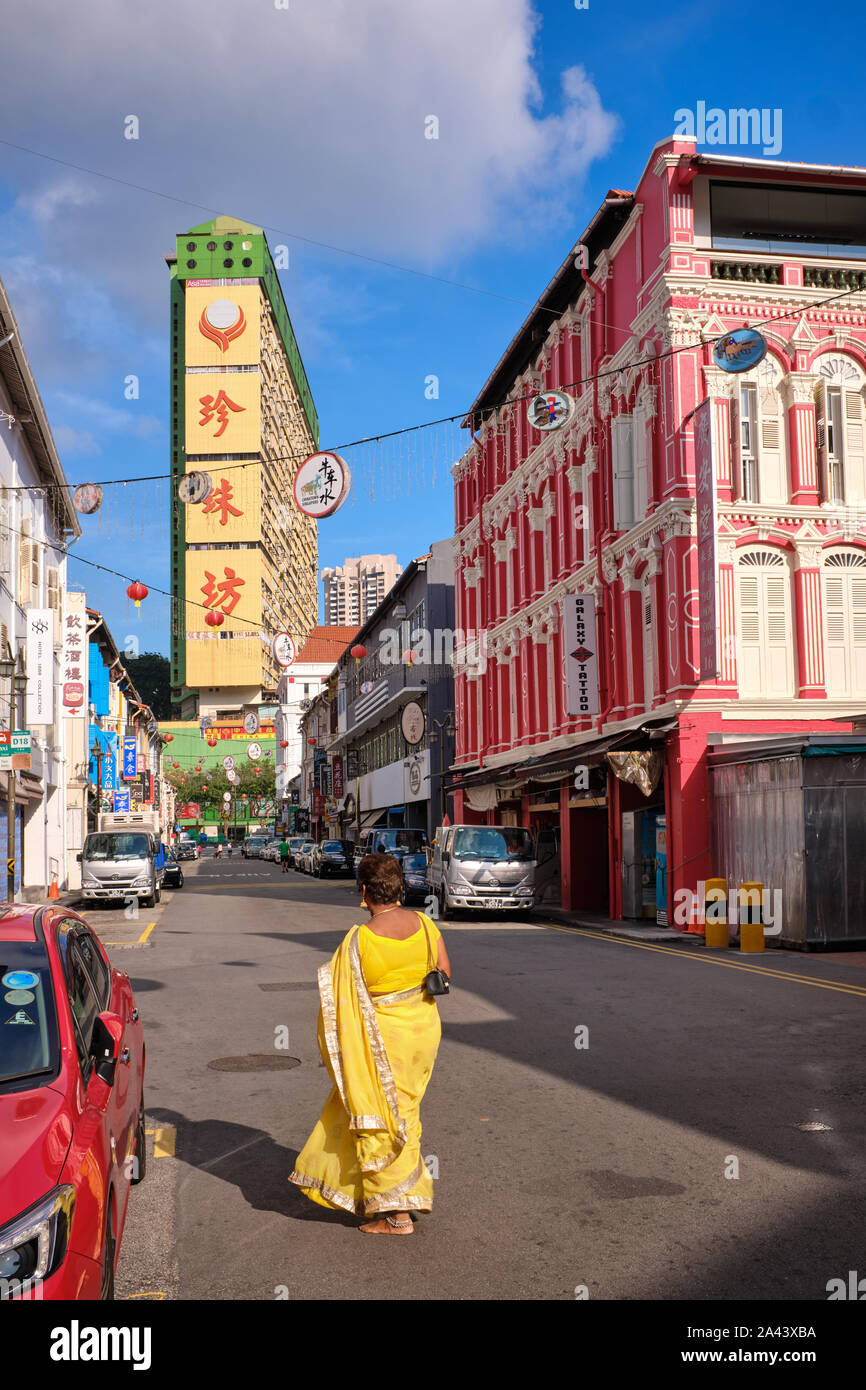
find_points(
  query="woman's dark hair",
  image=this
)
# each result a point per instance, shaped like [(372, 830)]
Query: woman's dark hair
[(381, 878)]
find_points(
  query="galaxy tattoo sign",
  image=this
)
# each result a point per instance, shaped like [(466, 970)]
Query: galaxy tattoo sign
[(581, 655)]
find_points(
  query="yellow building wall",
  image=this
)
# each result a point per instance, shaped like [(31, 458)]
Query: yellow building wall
[(233, 511), (223, 413), (229, 582), (237, 345)]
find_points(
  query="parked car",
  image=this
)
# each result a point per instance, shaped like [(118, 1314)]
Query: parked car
[(186, 849), (253, 846), (332, 858), (415, 888), (173, 871), (272, 851), (487, 866), (301, 854), (294, 842), (122, 864), (71, 1107)]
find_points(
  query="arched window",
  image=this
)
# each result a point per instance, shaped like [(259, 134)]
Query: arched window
[(839, 424), (760, 457), (765, 641), (845, 623)]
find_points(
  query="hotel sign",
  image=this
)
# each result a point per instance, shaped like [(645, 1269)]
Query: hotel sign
[(40, 666), (581, 655)]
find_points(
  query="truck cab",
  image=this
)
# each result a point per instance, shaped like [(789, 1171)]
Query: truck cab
[(483, 866)]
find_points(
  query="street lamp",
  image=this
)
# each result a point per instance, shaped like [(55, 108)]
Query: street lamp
[(444, 729)]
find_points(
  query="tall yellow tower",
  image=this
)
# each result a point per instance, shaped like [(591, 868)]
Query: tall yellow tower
[(244, 559)]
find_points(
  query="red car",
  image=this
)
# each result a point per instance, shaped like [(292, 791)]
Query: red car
[(71, 1106)]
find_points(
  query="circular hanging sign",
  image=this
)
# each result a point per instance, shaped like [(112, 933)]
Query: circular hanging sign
[(251, 722), (227, 796), (414, 779), (195, 487), (550, 410), (366, 687), (740, 350), (322, 484), (254, 751), (412, 723), (284, 650), (229, 763), (87, 498), (233, 777)]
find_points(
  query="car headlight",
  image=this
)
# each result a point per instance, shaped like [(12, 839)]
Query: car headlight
[(524, 892), (35, 1243), (143, 881), (91, 882)]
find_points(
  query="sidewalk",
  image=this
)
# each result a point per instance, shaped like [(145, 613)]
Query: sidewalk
[(613, 926), (38, 895)]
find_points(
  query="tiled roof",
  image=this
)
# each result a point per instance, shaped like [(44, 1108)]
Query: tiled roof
[(327, 644)]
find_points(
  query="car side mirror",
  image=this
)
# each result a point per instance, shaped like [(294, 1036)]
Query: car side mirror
[(79, 858), (446, 856), (105, 1046)]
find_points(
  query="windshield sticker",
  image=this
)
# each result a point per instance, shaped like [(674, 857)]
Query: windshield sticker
[(21, 1017), (20, 979), (19, 996)]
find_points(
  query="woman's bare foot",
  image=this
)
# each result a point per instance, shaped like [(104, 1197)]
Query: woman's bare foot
[(398, 1224)]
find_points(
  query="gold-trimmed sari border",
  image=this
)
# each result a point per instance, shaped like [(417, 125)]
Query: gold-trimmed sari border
[(380, 1056)]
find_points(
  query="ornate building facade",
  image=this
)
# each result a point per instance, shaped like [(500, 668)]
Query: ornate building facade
[(606, 506)]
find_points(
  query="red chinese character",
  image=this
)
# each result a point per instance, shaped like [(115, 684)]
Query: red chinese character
[(220, 501), (217, 405), (224, 595)]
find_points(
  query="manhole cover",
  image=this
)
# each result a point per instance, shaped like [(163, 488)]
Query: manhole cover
[(305, 984), (813, 1126), (256, 1061)]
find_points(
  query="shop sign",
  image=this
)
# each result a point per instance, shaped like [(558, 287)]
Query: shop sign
[(740, 350), (337, 776), (130, 757), (581, 655), (74, 666), (40, 666), (322, 484), (15, 750)]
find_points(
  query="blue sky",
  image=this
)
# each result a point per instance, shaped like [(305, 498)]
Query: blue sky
[(311, 121)]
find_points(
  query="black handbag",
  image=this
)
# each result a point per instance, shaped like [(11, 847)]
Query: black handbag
[(436, 982)]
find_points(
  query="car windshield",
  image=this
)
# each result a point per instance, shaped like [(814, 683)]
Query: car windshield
[(390, 840), (295, 843), (332, 847), (489, 842), (415, 863), (115, 847), (28, 1018)]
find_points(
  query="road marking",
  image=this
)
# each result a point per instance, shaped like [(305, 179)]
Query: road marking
[(155, 1294), (164, 1141), (145, 934), (858, 990)]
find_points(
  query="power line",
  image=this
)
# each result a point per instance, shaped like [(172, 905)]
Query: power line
[(445, 419)]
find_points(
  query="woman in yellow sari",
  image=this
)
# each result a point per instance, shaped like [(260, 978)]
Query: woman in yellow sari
[(378, 1035)]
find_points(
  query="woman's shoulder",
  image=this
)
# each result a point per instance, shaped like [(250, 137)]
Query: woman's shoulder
[(431, 926)]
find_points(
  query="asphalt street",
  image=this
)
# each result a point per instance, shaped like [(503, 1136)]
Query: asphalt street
[(633, 1120)]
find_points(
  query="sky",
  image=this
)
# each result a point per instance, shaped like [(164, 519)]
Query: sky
[(410, 257)]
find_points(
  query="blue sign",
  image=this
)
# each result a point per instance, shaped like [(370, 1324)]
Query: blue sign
[(130, 757), (109, 773), (121, 800), (20, 979), (740, 350)]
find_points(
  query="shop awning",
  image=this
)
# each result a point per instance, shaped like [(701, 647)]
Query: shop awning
[(28, 788), (369, 819)]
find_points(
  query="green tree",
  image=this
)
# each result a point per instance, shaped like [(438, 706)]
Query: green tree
[(150, 673)]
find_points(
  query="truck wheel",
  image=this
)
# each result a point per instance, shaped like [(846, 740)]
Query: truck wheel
[(444, 910)]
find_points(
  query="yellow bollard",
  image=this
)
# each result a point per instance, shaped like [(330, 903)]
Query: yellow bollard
[(751, 897), (716, 913)]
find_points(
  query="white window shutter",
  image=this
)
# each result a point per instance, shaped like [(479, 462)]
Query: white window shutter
[(623, 473), (855, 473), (821, 443), (736, 447), (641, 466), (773, 481)]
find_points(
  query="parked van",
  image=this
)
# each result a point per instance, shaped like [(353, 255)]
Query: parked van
[(486, 866), (121, 864)]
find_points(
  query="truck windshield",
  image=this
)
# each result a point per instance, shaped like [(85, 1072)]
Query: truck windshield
[(115, 847), (399, 839), (489, 842)]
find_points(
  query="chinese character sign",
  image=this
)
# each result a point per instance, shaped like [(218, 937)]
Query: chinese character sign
[(73, 675), (223, 414), (322, 484), (130, 757)]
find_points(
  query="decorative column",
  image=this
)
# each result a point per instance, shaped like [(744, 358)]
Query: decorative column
[(809, 610), (726, 615), (565, 844), (798, 394), (633, 633), (721, 388)]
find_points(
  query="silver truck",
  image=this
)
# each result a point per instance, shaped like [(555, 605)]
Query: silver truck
[(482, 866), (124, 859)]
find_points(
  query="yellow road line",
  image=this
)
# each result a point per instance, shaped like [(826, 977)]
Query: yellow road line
[(164, 1141), (858, 990), (156, 1295), (145, 934)]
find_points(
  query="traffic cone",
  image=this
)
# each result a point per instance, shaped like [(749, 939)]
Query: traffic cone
[(53, 891)]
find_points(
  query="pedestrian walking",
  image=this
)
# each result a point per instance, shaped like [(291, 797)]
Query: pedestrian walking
[(284, 854), (378, 1034)]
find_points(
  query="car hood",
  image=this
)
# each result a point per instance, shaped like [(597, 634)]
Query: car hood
[(35, 1134)]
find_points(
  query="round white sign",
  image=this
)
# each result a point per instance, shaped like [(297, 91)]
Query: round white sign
[(227, 796), (284, 650), (233, 778), (228, 763), (222, 313), (251, 723), (322, 484), (412, 723), (254, 751), (195, 487), (550, 410)]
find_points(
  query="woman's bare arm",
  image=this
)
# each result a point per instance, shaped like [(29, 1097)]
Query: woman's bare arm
[(442, 960)]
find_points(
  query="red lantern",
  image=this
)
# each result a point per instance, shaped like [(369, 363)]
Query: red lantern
[(284, 743), (168, 738), (409, 657), (204, 786), (137, 591), (211, 743), (175, 764), (312, 742), (244, 797), (358, 652), (214, 619)]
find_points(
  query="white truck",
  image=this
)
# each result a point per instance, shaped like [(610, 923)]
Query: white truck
[(124, 858)]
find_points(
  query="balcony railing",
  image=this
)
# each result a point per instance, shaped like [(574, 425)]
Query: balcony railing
[(829, 278), (747, 270)]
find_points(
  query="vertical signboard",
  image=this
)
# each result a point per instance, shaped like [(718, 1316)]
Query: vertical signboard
[(74, 668), (581, 655), (705, 492), (40, 666), (130, 757), (337, 776), (121, 800)]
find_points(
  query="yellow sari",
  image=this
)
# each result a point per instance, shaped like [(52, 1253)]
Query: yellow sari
[(364, 1154)]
